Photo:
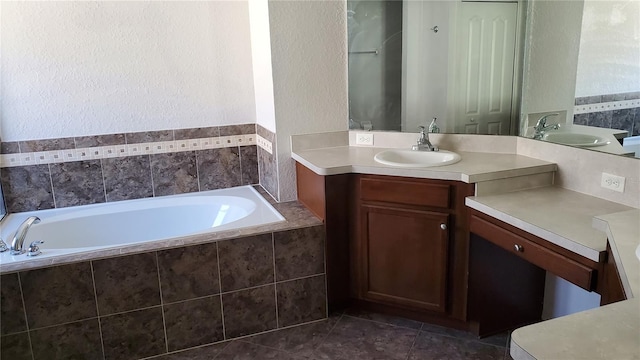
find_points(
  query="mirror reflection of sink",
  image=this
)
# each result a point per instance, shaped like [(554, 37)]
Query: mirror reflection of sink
[(575, 139), (412, 158)]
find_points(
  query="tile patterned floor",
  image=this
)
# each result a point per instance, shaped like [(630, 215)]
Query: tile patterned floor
[(355, 335)]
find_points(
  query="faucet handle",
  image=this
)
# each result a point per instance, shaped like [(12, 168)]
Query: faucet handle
[(3, 246), (34, 249), (422, 129)]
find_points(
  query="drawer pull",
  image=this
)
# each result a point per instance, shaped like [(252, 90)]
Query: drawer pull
[(518, 248), (443, 226)]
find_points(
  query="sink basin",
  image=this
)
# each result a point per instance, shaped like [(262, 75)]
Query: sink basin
[(638, 252), (412, 158), (575, 139)]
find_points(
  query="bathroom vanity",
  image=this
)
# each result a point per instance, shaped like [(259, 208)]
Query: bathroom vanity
[(464, 245)]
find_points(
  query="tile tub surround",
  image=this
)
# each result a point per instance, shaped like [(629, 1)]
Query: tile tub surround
[(152, 303), (611, 111), (120, 167), (267, 163)]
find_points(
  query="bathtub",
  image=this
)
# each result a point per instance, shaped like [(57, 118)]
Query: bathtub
[(122, 224)]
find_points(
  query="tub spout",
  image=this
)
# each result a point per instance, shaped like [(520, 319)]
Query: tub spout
[(21, 234)]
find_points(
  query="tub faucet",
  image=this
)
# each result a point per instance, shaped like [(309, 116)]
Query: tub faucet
[(541, 126), (21, 234), (423, 142)]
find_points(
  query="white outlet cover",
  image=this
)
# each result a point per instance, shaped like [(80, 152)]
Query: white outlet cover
[(612, 182), (364, 139)]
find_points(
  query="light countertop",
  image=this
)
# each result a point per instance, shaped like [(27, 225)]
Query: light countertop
[(560, 216), (474, 166)]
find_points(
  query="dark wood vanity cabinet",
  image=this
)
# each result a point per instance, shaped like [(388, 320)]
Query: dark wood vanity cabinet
[(400, 242), (394, 244), (507, 273), (409, 246)]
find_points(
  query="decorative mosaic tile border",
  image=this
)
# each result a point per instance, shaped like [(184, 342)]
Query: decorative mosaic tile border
[(606, 106), (124, 150)]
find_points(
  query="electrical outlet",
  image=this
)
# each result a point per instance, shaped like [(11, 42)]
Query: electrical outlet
[(364, 139), (612, 182)]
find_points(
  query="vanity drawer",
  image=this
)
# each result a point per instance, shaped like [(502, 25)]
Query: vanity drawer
[(534, 253), (408, 192)]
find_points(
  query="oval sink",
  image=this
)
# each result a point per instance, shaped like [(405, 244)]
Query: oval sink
[(412, 158), (575, 139), (638, 252)]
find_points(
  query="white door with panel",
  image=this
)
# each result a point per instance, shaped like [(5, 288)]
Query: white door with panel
[(486, 37)]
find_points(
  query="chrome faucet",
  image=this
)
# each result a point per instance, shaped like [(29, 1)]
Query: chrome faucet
[(423, 142), (541, 126), (21, 234)]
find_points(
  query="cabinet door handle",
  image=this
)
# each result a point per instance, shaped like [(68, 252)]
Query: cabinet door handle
[(518, 248), (443, 226)]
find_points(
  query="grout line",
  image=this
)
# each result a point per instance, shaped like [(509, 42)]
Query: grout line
[(164, 322), (95, 296), (53, 191), (240, 166), (153, 188), (224, 330), (104, 182), (413, 344), (26, 318), (197, 170), (275, 286)]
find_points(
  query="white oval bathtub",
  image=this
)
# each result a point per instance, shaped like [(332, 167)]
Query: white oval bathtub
[(112, 225)]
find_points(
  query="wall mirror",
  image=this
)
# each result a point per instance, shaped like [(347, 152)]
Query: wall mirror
[(495, 67)]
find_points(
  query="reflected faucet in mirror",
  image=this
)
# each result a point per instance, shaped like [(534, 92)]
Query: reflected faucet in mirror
[(423, 143), (541, 126)]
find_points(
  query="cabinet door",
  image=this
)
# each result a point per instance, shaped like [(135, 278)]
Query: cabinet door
[(403, 256)]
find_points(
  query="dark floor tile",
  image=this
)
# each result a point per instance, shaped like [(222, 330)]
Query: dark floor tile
[(248, 312), (249, 165), (501, 339), (208, 352), (383, 318), (193, 323), (133, 335), (149, 136), (240, 350), (197, 133), (355, 339), (219, 168), (127, 178), (246, 262), (58, 294), (241, 129), (441, 330), (189, 272), (300, 340), (301, 301), (79, 340), (12, 318), (126, 283), (27, 188), (433, 346), (299, 252), (100, 140), (174, 173), (77, 183), (15, 347)]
